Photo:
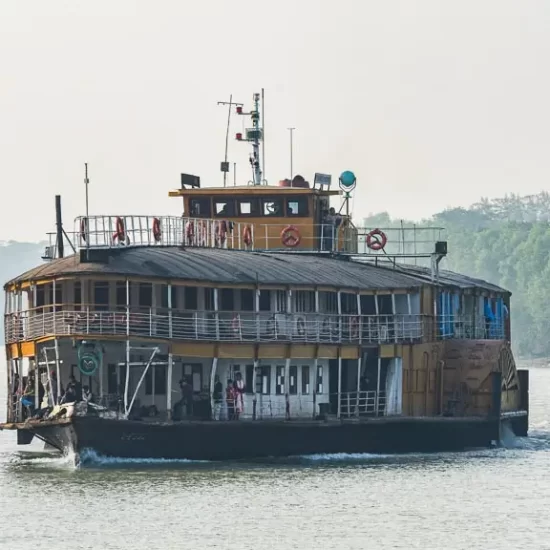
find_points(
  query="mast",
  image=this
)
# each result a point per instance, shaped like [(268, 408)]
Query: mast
[(225, 163), (253, 135)]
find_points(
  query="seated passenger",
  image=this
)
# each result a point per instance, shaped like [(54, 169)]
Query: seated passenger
[(86, 394), (27, 400)]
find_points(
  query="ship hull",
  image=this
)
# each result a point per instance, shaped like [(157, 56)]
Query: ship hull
[(217, 441)]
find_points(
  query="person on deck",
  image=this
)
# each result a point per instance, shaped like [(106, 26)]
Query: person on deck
[(186, 396), (239, 393), (27, 400), (230, 400), (218, 397), (86, 394)]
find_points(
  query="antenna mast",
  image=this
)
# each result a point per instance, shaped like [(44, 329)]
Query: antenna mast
[(253, 135), (225, 163)]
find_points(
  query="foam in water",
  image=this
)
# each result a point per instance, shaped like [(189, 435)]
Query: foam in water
[(89, 457)]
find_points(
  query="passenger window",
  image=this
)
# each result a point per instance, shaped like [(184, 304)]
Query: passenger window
[(199, 208), (224, 208), (272, 207), (248, 208), (296, 206)]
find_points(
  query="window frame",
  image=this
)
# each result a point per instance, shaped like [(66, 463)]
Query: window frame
[(229, 201), (303, 206), (255, 207), (279, 200), (206, 201)]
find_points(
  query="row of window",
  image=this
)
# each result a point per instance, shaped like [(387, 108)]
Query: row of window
[(304, 300), (225, 207), (155, 379)]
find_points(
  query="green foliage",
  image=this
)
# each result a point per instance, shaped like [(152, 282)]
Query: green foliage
[(505, 241)]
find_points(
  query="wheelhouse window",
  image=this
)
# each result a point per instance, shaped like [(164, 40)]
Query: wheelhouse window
[(199, 208), (272, 207), (224, 208), (248, 207), (297, 206)]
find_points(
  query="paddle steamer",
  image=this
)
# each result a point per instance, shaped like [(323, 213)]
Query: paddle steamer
[(343, 339)]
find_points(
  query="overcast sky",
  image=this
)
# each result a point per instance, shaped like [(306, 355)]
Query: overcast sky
[(432, 103)]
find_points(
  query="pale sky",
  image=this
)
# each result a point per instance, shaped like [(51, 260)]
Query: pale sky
[(432, 103)]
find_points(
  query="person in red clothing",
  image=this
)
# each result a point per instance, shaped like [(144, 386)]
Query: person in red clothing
[(230, 395)]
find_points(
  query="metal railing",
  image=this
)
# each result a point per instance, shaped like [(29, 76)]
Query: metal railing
[(146, 231), (215, 326), (362, 403), (471, 327)]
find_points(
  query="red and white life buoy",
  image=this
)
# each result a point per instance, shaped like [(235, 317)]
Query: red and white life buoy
[(220, 233), (157, 231), (247, 235), (376, 239), (120, 232), (190, 232), (290, 236)]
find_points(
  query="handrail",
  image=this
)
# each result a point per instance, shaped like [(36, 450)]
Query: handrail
[(244, 326), (146, 231)]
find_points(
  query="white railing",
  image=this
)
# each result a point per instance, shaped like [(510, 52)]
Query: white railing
[(362, 403), (146, 231), (212, 326), (128, 231), (471, 327)]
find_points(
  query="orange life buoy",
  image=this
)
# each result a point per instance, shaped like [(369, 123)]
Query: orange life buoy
[(157, 232), (221, 232), (84, 229), (247, 235), (190, 232), (290, 236), (120, 232), (376, 239)]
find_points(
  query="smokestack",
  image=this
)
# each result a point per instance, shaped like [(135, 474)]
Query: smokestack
[(59, 224)]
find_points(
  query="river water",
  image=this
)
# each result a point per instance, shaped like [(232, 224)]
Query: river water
[(486, 499)]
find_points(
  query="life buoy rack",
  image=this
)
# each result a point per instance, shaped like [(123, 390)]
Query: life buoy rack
[(120, 232), (354, 327), (247, 236), (300, 326), (157, 231), (376, 239), (84, 229), (290, 236)]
